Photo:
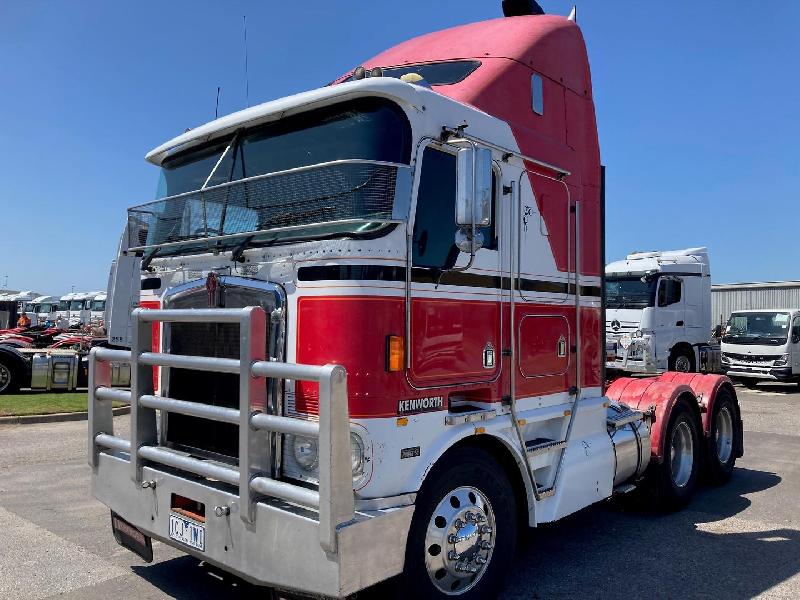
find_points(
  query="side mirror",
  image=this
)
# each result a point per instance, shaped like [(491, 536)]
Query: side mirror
[(474, 187), (718, 331)]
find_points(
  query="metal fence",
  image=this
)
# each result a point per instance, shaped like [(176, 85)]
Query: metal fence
[(728, 298)]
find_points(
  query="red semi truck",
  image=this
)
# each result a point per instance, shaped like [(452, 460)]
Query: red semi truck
[(375, 315)]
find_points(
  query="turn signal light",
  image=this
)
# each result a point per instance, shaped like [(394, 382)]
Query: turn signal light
[(395, 353)]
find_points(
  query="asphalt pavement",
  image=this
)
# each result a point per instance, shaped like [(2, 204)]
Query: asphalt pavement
[(740, 540)]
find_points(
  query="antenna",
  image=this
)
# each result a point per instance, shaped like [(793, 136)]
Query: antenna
[(246, 78), (216, 110)]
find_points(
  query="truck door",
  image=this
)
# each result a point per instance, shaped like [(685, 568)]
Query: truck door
[(794, 345), (542, 230), (670, 317), (455, 314)]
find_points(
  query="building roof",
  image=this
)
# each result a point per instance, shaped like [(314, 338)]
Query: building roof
[(755, 285)]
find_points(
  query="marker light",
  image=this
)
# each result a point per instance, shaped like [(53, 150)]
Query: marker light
[(395, 353)]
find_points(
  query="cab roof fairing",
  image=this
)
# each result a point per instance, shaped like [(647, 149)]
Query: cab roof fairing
[(693, 260), (416, 101), (549, 45)]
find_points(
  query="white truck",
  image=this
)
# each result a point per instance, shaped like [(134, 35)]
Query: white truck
[(97, 308), (41, 309), (658, 313), (762, 345), (64, 304)]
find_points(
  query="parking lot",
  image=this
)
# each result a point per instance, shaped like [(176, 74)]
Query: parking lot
[(738, 541)]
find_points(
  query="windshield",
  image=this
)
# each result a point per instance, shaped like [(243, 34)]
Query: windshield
[(765, 328), (63, 305), (76, 305), (29, 307), (438, 73), (630, 292), (368, 129), (98, 305)]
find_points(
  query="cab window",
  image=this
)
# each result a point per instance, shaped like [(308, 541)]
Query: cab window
[(434, 226), (669, 292)]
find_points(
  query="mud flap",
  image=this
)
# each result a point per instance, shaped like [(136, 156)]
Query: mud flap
[(131, 538)]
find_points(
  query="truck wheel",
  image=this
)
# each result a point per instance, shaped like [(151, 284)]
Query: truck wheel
[(681, 360), (464, 530), (748, 382), (720, 453), (674, 480), (9, 379)]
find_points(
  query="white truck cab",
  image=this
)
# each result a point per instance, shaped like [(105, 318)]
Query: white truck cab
[(41, 309), (762, 345), (64, 305), (46, 307), (97, 308), (658, 312)]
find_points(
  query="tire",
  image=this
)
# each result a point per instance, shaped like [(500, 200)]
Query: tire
[(681, 360), (748, 383), (468, 495), (721, 443), (673, 481), (10, 380)]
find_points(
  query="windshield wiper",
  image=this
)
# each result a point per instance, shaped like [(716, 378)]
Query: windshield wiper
[(237, 254)]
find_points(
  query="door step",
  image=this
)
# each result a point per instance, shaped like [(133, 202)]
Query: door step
[(618, 417), (546, 492), (624, 488), (542, 445)]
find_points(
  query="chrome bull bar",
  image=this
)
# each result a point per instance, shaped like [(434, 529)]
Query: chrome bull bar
[(334, 499)]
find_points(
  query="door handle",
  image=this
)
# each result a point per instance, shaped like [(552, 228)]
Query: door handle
[(679, 324)]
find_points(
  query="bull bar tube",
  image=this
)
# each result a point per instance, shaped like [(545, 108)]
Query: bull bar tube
[(267, 531)]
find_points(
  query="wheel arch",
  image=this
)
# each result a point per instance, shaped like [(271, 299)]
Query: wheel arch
[(707, 389), (658, 397), (512, 462), (686, 347), (11, 357)]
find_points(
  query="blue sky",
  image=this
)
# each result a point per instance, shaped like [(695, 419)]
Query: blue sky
[(696, 107)]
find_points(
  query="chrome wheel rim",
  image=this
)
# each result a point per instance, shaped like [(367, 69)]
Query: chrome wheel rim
[(5, 377), (723, 435), (682, 364), (459, 540), (681, 454)]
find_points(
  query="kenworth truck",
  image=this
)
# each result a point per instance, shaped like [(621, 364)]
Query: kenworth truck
[(372, 344), (658, 313)]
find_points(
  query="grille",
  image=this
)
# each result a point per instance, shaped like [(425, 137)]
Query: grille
[(220, 340), (340, 191), (763, 359)]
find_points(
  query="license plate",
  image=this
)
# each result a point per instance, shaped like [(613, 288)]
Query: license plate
[(187, 532)]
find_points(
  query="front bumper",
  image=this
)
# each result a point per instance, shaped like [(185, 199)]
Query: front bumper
[(764, 373), (281, 548), (636, 358)]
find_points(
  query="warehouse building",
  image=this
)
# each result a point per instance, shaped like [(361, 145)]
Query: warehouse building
[(729, 297)]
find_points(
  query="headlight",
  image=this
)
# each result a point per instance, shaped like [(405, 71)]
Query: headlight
[(782, 361), (306, 452), (725, 358), (637, 334), (357, 455)]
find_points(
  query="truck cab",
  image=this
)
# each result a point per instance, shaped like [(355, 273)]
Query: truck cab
[(374, 311), (64, 304), (97, 308), (658, 312), (762, 345)]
